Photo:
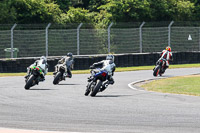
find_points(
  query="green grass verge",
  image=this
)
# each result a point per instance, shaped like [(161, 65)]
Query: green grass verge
[(188, 85), (121, 69), (118, 69)]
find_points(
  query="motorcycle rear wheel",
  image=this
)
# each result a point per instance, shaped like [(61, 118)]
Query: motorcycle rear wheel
[(96, 88), (57, 77), (29, 83), (156, 71)]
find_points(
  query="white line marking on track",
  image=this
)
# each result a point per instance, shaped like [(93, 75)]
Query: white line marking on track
[(143, 80), (133, 88)]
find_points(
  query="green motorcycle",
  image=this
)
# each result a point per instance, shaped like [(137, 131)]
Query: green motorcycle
[(34, 77)]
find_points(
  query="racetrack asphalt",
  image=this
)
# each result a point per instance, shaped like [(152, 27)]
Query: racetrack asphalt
[(118, 109)]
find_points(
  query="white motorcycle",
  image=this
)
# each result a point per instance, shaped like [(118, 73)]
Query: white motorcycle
[(59, 73)]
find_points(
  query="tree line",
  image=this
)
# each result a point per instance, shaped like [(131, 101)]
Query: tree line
[(98, 12)]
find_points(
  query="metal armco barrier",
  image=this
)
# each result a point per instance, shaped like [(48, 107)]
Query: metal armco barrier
[(83, 62)]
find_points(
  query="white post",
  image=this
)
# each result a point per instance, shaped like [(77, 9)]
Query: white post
[(78, 38), (169, 33), (47, 39), (109, 36), (141, 36), (12, 41)]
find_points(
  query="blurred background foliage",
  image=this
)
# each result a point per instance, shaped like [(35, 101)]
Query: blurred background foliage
[(97, 12)]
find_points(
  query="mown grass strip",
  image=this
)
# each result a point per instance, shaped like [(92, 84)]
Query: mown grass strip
[(189, 85), (118, 69)]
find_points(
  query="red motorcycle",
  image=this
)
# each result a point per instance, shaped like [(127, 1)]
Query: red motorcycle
[(159, 69)]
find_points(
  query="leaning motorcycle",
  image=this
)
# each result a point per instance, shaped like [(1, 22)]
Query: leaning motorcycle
[(95, 82), (33, 78), (159, 68), (59, 73)]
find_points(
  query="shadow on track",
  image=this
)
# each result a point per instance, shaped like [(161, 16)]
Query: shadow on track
[(113, 95), (41, 89), (166, 76), (68, 84)]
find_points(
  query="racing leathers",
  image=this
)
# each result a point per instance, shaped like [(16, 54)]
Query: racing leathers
[(166, 56), (69, 62), (42, 63), (109, 66)]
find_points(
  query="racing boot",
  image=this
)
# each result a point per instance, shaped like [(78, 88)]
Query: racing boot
[(69, 74), (104, 86), (111, 80), (42, 78)]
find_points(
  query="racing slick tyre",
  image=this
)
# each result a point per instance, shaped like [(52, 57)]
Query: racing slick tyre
[(30, 81), (96, 88), (87, 91), (57, 78), (156, 70)]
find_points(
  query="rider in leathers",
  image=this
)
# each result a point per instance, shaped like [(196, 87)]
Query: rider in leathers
[(109, 66), (69, 62), (42, 63), (166, 55)]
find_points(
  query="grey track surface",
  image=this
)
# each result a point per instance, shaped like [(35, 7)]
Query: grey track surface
[(118, 109)]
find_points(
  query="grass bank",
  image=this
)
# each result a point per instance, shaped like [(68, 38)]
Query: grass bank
[(118, 69), (188, 85)]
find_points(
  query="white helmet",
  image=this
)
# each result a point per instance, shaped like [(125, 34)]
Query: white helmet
[(110, 57), (43, 58)]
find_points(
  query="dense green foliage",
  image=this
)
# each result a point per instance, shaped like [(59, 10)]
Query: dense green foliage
[(97, 11)]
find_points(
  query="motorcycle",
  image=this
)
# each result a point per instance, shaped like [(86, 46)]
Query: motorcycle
[(59, 73), (159, 68), (95, 82), (33, 78)]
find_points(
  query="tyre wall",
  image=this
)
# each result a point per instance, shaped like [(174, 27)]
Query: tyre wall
[(83, 62)]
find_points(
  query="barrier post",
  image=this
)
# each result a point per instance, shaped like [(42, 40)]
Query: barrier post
[(47, 28), (141, 36), (78, 38), (12, 41), (109, 36), (169, 33)]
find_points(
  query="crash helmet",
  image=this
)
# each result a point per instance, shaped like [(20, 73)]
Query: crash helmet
[(168, 48), (43, 58), (69, 54), (110, 57)]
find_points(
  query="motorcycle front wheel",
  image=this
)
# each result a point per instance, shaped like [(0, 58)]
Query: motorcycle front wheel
[(87, 91), (96, 88)]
